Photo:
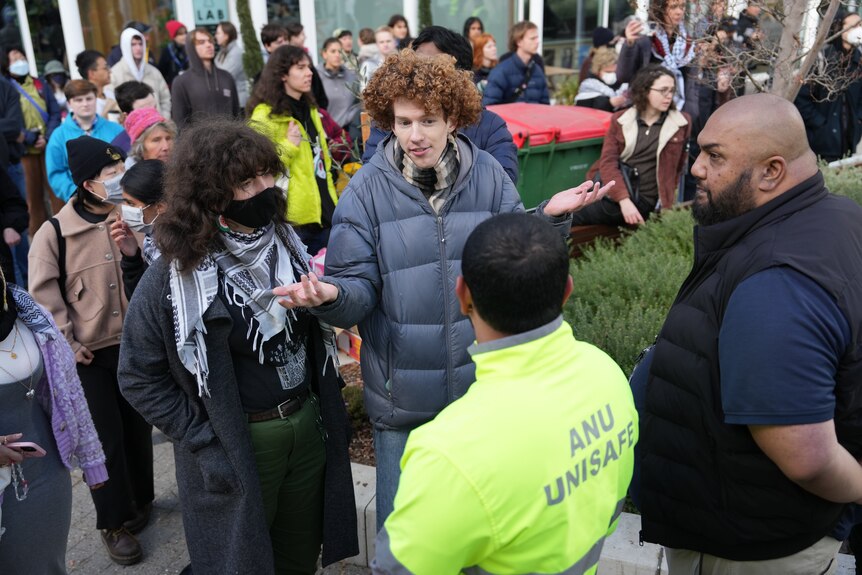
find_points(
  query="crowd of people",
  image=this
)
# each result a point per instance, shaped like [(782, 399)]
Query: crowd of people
[(159, 223)]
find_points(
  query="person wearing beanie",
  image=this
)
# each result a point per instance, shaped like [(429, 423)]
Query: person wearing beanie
[(602, 37), (75, 275), (81, 96), (134, 66), (152, 136), (174, 60)]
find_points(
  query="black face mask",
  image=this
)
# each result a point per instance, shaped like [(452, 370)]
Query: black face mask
[(254, 212)]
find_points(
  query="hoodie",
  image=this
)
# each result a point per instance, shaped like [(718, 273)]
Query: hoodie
[(127, 70), (201, 92)]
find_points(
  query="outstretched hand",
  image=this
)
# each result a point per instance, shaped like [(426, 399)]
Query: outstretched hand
[(308, 292), (574, 199)]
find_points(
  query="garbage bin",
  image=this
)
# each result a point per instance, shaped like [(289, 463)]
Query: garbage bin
[(556, 146)]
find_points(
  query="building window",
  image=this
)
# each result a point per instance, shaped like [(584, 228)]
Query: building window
[(103, 20), (354, 15)]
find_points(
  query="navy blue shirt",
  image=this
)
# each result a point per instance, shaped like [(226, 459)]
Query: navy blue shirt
[(779, 347), (780, 343)]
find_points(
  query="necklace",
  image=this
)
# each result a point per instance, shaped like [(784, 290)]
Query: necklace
[(18, 476), (29, 387), (11, 350)]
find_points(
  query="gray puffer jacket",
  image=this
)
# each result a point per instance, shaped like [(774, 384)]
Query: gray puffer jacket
[(395, 262)]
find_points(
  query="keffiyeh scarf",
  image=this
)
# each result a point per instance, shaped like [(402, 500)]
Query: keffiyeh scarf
[(674, 58), (251, 265)]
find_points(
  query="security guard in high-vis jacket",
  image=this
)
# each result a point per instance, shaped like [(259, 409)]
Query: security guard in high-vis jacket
[(528, 471)]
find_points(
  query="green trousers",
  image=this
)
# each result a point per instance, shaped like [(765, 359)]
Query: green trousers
[(290, 461)]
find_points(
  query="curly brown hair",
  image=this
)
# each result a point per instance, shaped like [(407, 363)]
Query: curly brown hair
[(209, 160), (433, 82), (643, 81), (269, 89)]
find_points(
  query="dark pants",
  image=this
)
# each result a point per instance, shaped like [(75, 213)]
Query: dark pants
[(313, 236), (607, 212), (126, 439)]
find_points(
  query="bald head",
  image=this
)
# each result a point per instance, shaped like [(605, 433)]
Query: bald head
[(764, 125)]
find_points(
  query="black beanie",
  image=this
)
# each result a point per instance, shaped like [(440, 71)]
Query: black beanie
[(87, 157)]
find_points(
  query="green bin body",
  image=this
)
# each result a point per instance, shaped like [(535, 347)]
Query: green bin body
[(556, 146)]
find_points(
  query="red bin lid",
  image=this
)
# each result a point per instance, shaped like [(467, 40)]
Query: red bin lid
[(544, 124)]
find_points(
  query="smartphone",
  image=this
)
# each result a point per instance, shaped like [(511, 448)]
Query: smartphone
[(28, 448)]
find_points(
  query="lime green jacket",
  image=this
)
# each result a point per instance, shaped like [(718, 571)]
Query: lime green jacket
[(527, 473), (303, 196)]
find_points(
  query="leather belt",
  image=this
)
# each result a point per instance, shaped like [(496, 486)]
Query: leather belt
[(280, 411)]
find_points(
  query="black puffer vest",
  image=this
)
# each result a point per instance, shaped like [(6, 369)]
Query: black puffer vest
[(706, 485)]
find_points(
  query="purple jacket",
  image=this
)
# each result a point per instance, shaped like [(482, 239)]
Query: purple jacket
[(60, 393)]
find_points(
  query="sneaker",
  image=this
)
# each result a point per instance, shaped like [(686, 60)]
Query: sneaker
[(142, 517), (122, 546)]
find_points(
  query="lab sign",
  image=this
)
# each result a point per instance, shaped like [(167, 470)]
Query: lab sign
[(210, 12)]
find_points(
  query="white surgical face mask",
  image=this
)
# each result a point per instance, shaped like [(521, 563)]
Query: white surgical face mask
[(134, 217), (854, 36), (609, 78), (19, 68), (113, 191)]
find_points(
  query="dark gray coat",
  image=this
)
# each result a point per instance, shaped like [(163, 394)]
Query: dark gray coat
[(395, 262), (217, 479)]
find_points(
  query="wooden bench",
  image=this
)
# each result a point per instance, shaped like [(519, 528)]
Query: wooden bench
[(583, 236)]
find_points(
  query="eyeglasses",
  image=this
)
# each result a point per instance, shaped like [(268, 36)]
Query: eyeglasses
[(663, 91)]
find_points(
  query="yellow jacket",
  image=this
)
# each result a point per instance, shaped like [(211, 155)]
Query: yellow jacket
[(303, 196)]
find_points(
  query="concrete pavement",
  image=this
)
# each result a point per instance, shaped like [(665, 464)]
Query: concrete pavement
[(165, 548), (163, 540)]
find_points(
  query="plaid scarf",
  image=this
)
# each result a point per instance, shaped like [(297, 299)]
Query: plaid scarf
[(251, 265), (436, 182)]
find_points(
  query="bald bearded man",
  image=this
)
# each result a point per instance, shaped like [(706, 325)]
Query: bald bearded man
[(751, 429)]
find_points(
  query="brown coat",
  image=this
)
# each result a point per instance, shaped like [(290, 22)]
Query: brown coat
[(619, 145), (94, 290)]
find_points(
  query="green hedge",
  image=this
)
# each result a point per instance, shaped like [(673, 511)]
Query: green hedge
[(623, 292)]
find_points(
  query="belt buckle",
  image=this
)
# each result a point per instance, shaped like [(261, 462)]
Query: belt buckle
[(281, 414)]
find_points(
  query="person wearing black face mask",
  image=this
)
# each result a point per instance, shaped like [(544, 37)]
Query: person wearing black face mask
[(245, 389), (75, 274)]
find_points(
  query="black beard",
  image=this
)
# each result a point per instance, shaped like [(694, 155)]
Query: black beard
[(732, 201)]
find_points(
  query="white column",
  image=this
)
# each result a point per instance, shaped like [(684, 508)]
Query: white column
[(24, 26), (259, 17), (308, 19), (73, 33), (537, 17), (411, 13), (520, 16), (606, 13), (185, 13)]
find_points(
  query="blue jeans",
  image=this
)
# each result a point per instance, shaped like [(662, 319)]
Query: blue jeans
[(388, 449)]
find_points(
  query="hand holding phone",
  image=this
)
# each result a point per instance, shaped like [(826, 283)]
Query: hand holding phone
[(27, 448)]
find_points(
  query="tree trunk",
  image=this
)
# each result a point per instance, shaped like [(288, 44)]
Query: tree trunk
[(788, 75)]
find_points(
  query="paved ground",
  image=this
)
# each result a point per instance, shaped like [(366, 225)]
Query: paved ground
[(163, 540)]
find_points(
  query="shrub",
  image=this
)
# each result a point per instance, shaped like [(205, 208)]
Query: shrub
[(845, 182), (355, 405), (623, 291)]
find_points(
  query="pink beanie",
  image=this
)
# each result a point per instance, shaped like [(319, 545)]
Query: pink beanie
[(141, 119), (173, 26)]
